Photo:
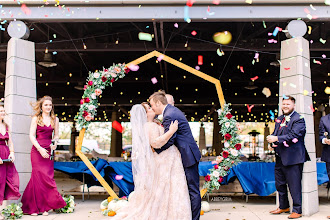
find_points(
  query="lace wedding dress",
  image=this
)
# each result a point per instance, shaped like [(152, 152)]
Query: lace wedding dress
[(168, 199)]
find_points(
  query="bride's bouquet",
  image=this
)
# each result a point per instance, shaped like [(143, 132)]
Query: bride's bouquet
[(110, 206)]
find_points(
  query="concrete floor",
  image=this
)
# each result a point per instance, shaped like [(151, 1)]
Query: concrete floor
[(222, 207)]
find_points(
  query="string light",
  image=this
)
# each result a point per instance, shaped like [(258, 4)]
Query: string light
[(186, 44), (46, 50), (40, 74), (117, 41), (68, 83), (70, 74), (46, 84), (181, 60), (84, 45)]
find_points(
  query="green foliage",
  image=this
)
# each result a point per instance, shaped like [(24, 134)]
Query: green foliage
[(70, 204), (230, 154), (13, 211)]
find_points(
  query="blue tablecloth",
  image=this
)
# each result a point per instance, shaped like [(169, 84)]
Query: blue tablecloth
[(254, 177)]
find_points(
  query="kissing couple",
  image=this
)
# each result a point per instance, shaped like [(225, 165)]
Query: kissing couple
[(165, 160)]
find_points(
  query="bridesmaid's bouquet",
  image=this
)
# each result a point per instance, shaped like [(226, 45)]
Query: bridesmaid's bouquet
[(13, 211), (70, 204)]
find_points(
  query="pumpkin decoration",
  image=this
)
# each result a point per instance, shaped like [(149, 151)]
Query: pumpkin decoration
[(110, 198), (205, 206), (111, 213), (202, 212)]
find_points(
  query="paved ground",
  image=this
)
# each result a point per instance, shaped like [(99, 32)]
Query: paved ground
[(236, 209), (223, 208)]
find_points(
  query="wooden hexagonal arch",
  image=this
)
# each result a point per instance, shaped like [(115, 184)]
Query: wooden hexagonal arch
[(168, 59)]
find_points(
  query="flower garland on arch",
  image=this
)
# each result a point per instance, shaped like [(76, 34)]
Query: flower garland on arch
[(230, 155), (96, 82)]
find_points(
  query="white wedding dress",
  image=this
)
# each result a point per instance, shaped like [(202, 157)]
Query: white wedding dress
[(168, 197)]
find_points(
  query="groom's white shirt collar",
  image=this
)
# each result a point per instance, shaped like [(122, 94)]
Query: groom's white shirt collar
[(164, 109)]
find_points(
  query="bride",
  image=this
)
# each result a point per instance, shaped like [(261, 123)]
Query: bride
[(160, 187)]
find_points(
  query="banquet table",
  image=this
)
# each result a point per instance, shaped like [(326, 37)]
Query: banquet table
[(254, 177)]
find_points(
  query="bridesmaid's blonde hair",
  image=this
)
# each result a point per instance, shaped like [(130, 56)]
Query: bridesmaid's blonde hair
[(37, 107)]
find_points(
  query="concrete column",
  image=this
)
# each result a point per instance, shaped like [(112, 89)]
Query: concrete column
[(202, 143), (116, 138), (295, 77), (217, 137), (20, 91)]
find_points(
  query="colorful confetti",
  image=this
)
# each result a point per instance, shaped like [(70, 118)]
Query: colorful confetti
[(119, 177), (293, 85), (312, 7), (249, 1), (294, 140), (309, 29), (266, 91), (186, 14), (254, 78), (311, 107), (275, 32), (117, 126), (323, 41), (256, 56), (287, 68), (317, 62), (176, 25), (272, 115), (133, 67), (285, 97), (193, 33), (216, 2), (264, 24), (145, 36), (160, 58), (324, 56), (241, 69), (25, 9), (154, 80), (249, 107), (285, 144), (190, 3), (197, 67), (200, 60)]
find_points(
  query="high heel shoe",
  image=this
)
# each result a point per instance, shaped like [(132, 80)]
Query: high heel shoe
[(45, 214)]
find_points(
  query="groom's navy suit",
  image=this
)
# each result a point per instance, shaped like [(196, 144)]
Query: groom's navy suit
[(291, 154), (190, 154)]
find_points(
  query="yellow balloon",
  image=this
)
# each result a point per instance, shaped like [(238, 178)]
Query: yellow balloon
[(224, 37)]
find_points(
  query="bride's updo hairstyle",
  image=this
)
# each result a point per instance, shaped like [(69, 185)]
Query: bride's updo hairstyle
[(144, 106), (159, 96)]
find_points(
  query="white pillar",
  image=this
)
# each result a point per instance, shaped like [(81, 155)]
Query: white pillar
[(295, 77), (20, 91)]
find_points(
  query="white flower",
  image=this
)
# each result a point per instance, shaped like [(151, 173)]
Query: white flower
[(226, 144), (96, 75), (71, 204), (216, 174), (160, 118), (70, 210), (234, 152), (91, 107), (287, 118), (93, 96), (227, 124)]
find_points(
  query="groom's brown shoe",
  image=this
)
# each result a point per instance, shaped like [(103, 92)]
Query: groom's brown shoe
[(294, 215), (279, 211), (328, 217)]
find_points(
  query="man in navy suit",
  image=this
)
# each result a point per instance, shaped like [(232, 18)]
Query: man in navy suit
[(288, 142), (186, 144), (324, 133)]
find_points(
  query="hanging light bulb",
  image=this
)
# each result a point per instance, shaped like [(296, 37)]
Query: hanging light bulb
[(117, 41), (85, 47), (46, 50), (186, 44)]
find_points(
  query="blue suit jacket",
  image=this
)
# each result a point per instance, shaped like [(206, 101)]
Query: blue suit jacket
[(325, 127), (182, 139), (296, 153)]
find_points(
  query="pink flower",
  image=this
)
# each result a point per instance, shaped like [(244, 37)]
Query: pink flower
[(225, 154), (112, 80), (90, 83), (216, 167), (105, 70), (117, 69), (219, 159), (207, 178), (87, 100), (98, 92), (220, 179), (127, 70), (81, 101), (88, 117), (85, 113), (85, 87), (113, 75)]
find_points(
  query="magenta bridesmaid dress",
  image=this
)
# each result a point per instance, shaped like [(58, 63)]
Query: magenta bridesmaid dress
[(41, 193), (9, 180)]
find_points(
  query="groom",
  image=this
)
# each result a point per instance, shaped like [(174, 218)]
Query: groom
[(186, 144)]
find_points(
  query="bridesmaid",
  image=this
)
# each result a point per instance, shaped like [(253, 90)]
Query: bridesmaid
[(41, 195), (9, 180)]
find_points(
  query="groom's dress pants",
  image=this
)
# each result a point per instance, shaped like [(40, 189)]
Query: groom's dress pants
[(192, 176), (290, 175)]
